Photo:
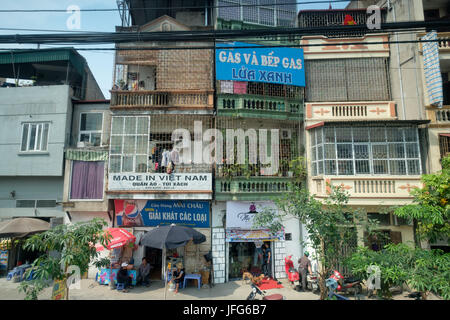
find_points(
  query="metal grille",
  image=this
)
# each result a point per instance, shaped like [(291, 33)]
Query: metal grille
[(289, 145), (259, 88), (35, 203), (364, 79), (363, 150), (444, 145), (164, 69), (308, 19), (138, 142), (263, 12)]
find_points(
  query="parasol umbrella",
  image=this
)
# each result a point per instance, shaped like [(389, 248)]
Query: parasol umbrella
[(170, 237), (21, 227), (120, 238)]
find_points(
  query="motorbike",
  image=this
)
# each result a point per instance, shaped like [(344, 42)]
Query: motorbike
[(346, 285), (256, 290), (332, 285)]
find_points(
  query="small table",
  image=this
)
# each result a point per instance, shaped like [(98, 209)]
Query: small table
[(193, 276)]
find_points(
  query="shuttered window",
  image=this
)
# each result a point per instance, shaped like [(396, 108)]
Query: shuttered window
[(364, 79)]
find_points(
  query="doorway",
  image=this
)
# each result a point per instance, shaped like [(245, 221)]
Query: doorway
[(154, 257), (243, 257)]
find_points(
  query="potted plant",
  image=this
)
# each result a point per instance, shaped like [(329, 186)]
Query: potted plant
[(298, 168)]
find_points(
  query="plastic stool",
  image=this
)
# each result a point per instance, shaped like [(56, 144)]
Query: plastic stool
[(193, 276), (120, 286), (11, 274)]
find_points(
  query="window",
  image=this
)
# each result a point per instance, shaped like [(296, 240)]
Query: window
[(34, 137), (91, 125), (129, 144), (444, 144), (347, 79), (87, 180), (362, 150)]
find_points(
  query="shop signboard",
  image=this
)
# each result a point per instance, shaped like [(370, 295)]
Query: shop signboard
[(201, 182), (152, 213), (59, 290), (239, 61), (239, 222)]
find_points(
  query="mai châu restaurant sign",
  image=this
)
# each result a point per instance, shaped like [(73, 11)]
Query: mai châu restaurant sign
[(255, 63)]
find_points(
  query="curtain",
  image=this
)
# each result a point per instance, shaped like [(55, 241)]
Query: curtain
[(87, 180)]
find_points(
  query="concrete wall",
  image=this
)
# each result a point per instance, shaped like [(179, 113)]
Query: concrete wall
[(103, 108), (33, 104)]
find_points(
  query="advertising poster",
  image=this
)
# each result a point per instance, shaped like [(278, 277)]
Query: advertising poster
[(152, 213), (239, 61), (59, 290)]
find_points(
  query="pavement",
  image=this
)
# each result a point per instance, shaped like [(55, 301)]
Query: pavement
[(233, 290)]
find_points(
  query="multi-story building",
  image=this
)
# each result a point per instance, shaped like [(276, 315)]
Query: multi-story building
[(165, 90), (357, 135), (36, 112), (408, 74), (161, 97)]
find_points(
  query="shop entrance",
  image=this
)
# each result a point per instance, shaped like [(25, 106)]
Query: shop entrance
[(244, 257), (154, 257)]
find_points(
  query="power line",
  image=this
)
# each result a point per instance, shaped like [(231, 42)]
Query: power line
[(176, 8), (237, 47), (207, 35)]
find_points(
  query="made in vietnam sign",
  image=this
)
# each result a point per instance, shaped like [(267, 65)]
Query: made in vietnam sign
[(255, 63), (201, 182)]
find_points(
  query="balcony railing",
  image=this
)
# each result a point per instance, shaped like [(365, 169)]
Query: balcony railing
[(368, 187), (163, 99), (354, 111), (444, 41), (254, 188), (439, 116), (259, 106)]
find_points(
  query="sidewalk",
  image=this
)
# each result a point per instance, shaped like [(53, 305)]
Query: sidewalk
[(234, 290), (91, 290)]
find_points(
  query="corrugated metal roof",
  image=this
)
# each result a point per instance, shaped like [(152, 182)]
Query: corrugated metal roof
[(44, 55)]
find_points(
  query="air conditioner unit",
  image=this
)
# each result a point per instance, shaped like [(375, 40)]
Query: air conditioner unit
[(285, 134), (81, 144)]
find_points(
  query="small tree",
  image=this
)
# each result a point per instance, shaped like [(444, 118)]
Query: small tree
[(331, 225), (66, 248), (431, 205)]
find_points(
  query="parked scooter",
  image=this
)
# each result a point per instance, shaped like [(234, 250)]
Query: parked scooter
[(256, 290), (332, 285), (346, 285)]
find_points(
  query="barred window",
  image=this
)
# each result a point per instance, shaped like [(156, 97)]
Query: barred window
[(129, 144), (362, 150), (363, 79)]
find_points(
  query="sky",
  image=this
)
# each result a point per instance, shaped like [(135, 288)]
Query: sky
[(100, 62)]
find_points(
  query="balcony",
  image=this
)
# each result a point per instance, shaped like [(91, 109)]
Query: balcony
[(155, 99), (439, 117), (351, 111), (254, 106), (254, 188), (444, 41), (368, 190)]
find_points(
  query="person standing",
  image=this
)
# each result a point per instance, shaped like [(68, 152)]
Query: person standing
[(267, 261), (304, 265)]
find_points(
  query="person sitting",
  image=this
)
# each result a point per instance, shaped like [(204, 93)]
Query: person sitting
[(178, 276), (144, 273), (123, 277)]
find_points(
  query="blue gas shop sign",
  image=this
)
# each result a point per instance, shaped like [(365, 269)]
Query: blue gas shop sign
[(239, 61)]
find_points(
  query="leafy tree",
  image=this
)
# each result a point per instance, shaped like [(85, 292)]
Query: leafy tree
[(431, 205), (65, 246), (331, 225), (423, 270)]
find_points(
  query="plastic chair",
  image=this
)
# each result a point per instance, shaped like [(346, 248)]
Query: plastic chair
[(193, 276), (120, 286)]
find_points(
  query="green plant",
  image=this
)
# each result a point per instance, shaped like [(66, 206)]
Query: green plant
[(431, 206), (74, 245), (299, 168), (331, 225), (423, 270)]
